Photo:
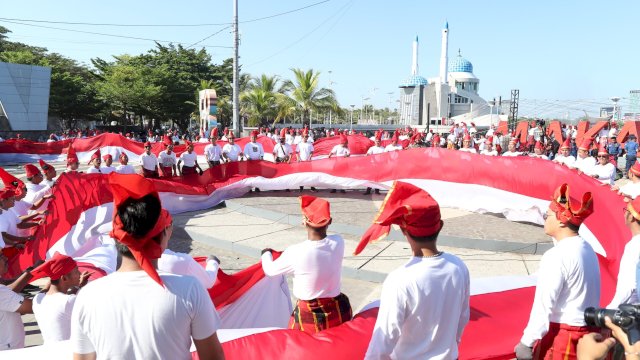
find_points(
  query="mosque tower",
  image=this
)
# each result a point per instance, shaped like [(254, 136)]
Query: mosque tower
[(444, 54), (414, 60)]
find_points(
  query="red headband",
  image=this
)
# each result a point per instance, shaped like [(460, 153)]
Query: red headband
[(54, 268)]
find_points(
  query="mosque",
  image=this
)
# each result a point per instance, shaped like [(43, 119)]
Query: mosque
[(449, 98)]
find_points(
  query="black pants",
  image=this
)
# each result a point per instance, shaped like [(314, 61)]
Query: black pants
[(213, 163)]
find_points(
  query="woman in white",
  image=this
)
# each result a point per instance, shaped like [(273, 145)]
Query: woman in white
[(190, 161)]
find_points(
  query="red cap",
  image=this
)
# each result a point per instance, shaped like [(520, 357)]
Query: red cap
[(72, 158), (586, 144), (96, 155), (12, 182), (122, 156), (634, 207), (214, 132), (343, 139), (6, 193), (407, 206), (379, 135), (255, 133), (43, 165), (283, 133), (54, 268), (568, 209), (31, 170), (635, 169), (107, 156), (396, 135), (315, 211), (145, 248), (566, 144), (602, 150), (305, 132), (231, 135), (148, 143)]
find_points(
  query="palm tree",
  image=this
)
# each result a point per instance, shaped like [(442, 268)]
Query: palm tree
[(305, 92), (260, 99)]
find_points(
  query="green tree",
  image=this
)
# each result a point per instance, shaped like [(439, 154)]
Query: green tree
[(305, 92)]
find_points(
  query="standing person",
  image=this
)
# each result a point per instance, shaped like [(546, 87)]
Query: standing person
[(341, 150), (36, 190), (95, 163), (231, 151), (564, 157), (614, 149), (108, 161), (124, 167), (72, 160), (184, 264), (604, 171), (584, 162), (49, 173), (568, 283), (53, 308), (394, 146), (511, 149), (375, 150), (488, 148), (316, 266), (631, 153), (190, 161), (149, 162), (626, 292), (424, 305), (304, 151), (632, 188), (212, 151), (253, 150), (282, 150), (161, 312), (466, 144), (538, 151), (168, 161)]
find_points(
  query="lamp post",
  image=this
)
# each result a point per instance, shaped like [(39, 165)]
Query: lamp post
[(362, 108), (616, 110), (351, 126), (390, 94), (491, 103)]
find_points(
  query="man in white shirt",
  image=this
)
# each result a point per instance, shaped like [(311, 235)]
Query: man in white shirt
[(162, 313), (568, 283), (282, 150), (375, 150), (564, 156), (108, 161), (584, 161), (53, 308), (604, 170), (253, 150), (488, 148), (632, 188), (304, 151), (466, 144), (626, 292), (538, 151), (213, 151), (124, 167), (189, 159), (49, 173), (511, 149), (168, 161), (424, 305), (394, 146), (35, 189), (184, 264), (149, 162), (340, 150), (72, 160), (231, 151), (316, 266), (94, 163)]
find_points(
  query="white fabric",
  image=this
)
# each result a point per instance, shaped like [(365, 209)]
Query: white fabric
[(149, 162), (212, 152), (167, 160), (127, 315), (424, 307), (281, 151), (469, 150), (566, 160), (340, 150), (316, 267), (189, 160), (392, 147), (626, 292), (107, 169), (584, 164), (53, 314), (125, 169), (630, 189), (93, 170), (11, 328), (305, 151), (184, 264), (232, 151), (254, 151), (606, 173), (568, 283), (375, 150)]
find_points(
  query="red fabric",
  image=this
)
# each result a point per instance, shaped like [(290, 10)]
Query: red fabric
[(94, 272), (316, 211), (11, 181), (31, 170), (561, 342), (571, 211), (54, 268), (6, 193)]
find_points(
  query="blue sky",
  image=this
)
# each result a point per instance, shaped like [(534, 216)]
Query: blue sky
[(580, 51)]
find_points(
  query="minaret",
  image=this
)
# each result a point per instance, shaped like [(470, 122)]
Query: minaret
[(414, 60), (444, 55)]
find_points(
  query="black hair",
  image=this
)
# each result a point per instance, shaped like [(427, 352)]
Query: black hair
[(425, 239), (138, 217)]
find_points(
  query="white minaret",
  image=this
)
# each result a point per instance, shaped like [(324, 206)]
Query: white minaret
[(444, 55), (414, 60)]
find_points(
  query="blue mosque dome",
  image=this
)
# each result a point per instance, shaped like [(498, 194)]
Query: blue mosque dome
[(414, 80), (460, 64)]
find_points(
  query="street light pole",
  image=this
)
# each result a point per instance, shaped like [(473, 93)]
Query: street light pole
[(351, 126), (236, 90)]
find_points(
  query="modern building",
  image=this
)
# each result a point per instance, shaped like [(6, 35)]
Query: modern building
[(24, 97), (208, 109)]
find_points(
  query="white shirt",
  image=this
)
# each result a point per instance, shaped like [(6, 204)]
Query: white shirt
[(392, 147), (424, 308), (93, 170), (606, 173), (107, 169), (8, 224), (568, 283), (541, 156), (305, 151), (629, 189), (489, 153), (53, 313), (567, 160), (585, 164), (49, 183), (511, 153), (297, 139), (316, 267), (254, 151), (21, 208), (281, 151), (469, 149), (626, 288), (149, 162), (12, 330), (125, 169), (375, 150), (167, 160), (35, 192), (212, 152), (159, 321), (232, 151), (288, 138), (340, 150), (184, 264), (189, 160)]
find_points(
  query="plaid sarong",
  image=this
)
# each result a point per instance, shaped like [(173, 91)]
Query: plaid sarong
[(561, 342), (315, 315)]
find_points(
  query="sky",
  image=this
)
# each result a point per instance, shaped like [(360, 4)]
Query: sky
[(563, 56)]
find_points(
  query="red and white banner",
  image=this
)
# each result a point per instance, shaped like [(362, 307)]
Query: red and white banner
[(520, 188)]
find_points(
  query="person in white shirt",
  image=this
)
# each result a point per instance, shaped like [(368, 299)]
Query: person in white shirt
[(511, 149), (375, 150), (36, 190), (304, 152), (72, 160), (95, 163), (490, 131), (52, 138), (568, 283), (53, 308), (49, 173), (466, 144), (184, 264), (231, 151), (190, 161), (281, 150), (124, 167), (341, 150), (626, 292), (288, 136), (297, 139), (424, 304), (253, 150), (212, 151), (10, 222), (168, 161), (149, 162), (488, 148), (584, 161), (394, 146), (564, 157), (316, 266), (162, 313), (107, 168), (604, 171), (632, 188), (538, 151)]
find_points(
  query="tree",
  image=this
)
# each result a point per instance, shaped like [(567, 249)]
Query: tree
[(260, 101), (307, 95)]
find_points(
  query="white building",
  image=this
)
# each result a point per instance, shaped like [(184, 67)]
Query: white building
[(24, 96)]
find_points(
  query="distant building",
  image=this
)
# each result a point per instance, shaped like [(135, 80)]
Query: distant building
[(208, 109), (24, 97)]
